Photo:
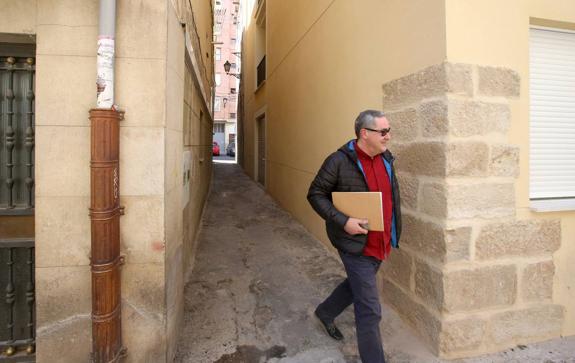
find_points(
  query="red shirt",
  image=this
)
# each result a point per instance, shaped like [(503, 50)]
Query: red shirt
[(378, 243)]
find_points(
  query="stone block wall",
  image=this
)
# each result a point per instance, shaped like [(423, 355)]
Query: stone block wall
[(65, 77), (151, 86), (469, 277)]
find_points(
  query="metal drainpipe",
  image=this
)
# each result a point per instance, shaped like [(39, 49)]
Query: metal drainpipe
[(105, 209)]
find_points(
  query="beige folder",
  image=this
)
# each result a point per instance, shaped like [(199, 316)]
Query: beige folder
[(363, 205)]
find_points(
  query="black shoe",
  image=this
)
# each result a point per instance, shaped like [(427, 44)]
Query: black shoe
[(330, 327)]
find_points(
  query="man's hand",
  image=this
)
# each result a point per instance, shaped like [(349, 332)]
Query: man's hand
[(353, 226)]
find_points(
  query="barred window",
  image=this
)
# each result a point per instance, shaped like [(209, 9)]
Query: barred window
[(17, 135)]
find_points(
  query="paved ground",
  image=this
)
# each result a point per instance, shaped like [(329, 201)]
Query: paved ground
[(224, 159), (257, 278)]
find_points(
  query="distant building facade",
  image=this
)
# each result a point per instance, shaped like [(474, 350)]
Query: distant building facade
[(227, 20)]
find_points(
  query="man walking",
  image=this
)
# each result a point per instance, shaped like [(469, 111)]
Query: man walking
[(360, 165)]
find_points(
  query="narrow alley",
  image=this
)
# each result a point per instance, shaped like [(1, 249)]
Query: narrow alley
[(257, 278)]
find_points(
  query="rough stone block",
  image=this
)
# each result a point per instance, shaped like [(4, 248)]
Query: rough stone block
[(433, 118), (70, 146), (537, 322), (434, 199), (469, 118), (458, 201), (63, 40), (409, 189), (174, 100), (467, 159), (141, 165), (457, 335), (143, 289), (423, 322), (145, 333), (498, 81), (423, 237), (504, 160), (67, 12), (174, 220), (421, 158), (457, 241), (135, 19), (519, 238), (75, 96), (142, 229), (458, 78), (60, 220), (19, 17), (481, 200), (479, 288), (434, 241), (403, 124), (176, 46), (429, 82), (55, 302), (144, 105), (174, 299), (67, 342), (398, 267), (429, 285), (173, 161), (537, 281)]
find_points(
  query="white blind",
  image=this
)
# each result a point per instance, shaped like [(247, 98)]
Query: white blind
[(552, 114)]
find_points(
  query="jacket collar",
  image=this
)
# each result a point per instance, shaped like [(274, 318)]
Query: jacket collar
[(349, 150)]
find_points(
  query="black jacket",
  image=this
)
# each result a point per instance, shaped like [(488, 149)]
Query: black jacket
[(341, 172)]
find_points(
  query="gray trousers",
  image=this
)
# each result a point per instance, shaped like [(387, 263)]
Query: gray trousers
[(359, 288)]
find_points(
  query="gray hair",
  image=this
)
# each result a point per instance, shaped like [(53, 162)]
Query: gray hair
[(366, 119)]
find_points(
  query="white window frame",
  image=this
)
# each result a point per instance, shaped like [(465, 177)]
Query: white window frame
[(557, 203)]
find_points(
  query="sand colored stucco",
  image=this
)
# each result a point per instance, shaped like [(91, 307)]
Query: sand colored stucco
[(318, 77)]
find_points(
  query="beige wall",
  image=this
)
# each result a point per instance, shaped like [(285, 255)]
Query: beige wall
[(326, 61), (151, 82), (66, 37), (497, 33)]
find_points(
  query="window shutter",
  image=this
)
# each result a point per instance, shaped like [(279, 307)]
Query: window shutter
[(552, 114)]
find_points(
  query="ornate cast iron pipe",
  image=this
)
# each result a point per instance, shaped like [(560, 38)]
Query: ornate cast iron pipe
[(105, 214), (105, 207)]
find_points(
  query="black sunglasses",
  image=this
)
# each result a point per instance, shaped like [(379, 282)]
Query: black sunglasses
[(382, 132)]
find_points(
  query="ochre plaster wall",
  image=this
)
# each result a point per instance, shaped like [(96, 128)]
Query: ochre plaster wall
[(496, 33), (327, 61)]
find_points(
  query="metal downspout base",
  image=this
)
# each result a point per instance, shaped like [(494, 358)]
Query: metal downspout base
[(105, 211)]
